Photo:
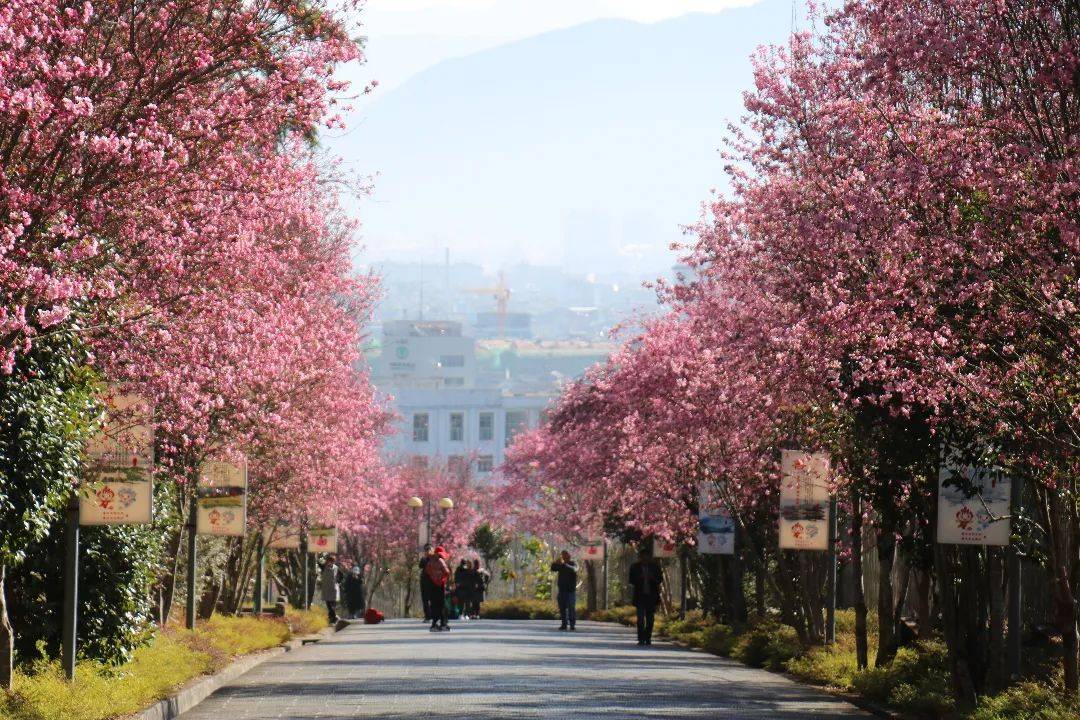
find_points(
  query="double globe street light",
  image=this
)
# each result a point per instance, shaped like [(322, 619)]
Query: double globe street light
[(416, 503)]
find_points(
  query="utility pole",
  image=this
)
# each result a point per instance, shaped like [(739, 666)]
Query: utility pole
[(70, 620), (830, 601), (682, 583), (193, 513), (260, 567)]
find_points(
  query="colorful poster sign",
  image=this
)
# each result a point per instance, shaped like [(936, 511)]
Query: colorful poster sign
[(593, 550), (322, 540), (118, 487), (663, 548), (282, 537), (222, 499), (716, 527), (964, 520), (804, 500)]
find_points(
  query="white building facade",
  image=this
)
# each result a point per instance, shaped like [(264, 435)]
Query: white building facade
[(430, 370)]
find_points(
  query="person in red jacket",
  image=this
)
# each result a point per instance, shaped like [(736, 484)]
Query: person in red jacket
[(437, 570)]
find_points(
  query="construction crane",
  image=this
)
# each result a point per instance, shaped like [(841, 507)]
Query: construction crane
[(501, 294)]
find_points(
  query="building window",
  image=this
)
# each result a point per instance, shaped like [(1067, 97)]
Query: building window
[(457, 427), (485, 463), (454, 382), (448, 361), (420, 427), (516, 421), (487, 426)]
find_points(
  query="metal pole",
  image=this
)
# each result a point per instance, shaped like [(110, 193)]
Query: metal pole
[(191, 580), (257, 603), (1012, 652), (304, 573), (682, 584), (605, 574), (830, 601), (70, 620)]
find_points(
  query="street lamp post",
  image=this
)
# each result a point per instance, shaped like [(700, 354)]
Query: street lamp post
[(416, 503)]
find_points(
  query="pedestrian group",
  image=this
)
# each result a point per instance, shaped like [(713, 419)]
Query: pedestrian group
[(459, 593)]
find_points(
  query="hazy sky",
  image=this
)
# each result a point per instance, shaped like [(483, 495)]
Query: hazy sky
[(506, 19), (576, 132)]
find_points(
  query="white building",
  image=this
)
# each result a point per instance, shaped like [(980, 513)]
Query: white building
[(430, 369)]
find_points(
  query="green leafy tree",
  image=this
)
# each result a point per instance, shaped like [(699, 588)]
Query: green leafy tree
[(47, 405)]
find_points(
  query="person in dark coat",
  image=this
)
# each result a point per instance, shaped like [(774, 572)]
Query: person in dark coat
[(646, 579), (566, 584), (354, 592), (481, 578), (463, 588), (426, 586)]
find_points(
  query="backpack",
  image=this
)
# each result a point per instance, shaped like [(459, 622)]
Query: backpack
[(435, 572)]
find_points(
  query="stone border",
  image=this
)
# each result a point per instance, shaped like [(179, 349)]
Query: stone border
[(197, 690)]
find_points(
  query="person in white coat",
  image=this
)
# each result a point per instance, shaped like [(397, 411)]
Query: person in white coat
[(329, 584)]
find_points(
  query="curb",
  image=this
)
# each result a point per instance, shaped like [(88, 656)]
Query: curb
[(857, 700), (190, 695)]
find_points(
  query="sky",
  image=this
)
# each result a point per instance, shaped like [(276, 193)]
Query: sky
[(512, 19), (581, 133)]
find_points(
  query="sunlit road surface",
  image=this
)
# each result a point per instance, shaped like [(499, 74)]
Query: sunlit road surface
[(508, 669)]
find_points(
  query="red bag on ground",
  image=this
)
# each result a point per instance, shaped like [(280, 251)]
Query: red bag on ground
[(373, 617)]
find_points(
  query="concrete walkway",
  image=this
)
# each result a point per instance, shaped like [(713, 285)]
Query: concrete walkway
[(508, 669)]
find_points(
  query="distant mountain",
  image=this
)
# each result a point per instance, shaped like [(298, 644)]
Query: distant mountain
[(587, 146)]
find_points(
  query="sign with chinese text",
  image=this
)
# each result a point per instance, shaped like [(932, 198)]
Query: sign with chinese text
[(322, 540), (716, 527), (222, 499), (118, 487), (982, 518), (804, 500), (282, 537)]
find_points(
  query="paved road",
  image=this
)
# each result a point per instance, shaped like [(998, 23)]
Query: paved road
[(506, 669)]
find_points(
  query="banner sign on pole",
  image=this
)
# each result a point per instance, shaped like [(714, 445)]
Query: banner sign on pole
[(322, 540), (964, 520), (716, 527), (282, 537), (663, 548), (222, 499), (593, 550), (804, 500), (118, 488)]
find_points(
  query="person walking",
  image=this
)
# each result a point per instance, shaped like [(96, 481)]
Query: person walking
[(481, 579), (438, 571), (425, 583), (646, 579), (463, 588), (566, 584), (354, 592), (330, 587)]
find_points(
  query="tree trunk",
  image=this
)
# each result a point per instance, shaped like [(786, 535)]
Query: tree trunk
[(7, 637), (167, 585), (759, 590), (923, 612), (886, 549), (862, 655), (590, 586)]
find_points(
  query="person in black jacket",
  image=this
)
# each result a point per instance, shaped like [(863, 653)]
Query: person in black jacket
[(646, 579), (354, 592), (463, 588), (566, 585), (427, 588)]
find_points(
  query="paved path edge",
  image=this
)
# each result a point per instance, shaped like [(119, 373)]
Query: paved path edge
[(197, 690), (858, 701)]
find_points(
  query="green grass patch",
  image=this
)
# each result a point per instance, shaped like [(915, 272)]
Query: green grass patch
[(173, 657)]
